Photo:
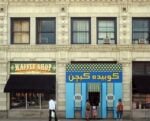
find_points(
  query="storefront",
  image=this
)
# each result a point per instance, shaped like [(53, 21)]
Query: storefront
[(141, 89), (31, 84), (100, 83)]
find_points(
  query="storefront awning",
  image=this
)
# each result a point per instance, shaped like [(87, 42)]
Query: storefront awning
[(31, 83), (141, 84)]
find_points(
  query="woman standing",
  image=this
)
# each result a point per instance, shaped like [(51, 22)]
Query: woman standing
[(88, 110)]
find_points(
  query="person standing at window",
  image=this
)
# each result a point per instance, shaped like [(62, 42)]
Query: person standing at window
[(119, 109), (52, 109)]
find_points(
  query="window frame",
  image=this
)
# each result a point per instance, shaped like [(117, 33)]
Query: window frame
[(38, 20), (13, 19), (114, 19), (89, 31), (142, 19)]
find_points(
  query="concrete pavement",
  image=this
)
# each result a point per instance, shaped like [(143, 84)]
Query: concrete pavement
[(19, 119)]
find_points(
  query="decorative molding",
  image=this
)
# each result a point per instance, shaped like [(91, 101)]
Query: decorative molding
[(77, 1), (75, 48)]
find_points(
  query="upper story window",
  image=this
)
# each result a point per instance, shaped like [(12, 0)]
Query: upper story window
[(46, 31), (20, 30), (106, 31), (140, 30), (80, 31)]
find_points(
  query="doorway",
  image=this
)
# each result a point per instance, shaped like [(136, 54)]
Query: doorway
[(94, 97)]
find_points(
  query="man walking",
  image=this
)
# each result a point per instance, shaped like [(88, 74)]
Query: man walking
[(52, 109)]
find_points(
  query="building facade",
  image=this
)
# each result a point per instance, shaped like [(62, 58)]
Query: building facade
[(42, 40)]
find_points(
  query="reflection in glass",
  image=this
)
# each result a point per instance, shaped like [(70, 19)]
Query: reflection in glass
[(17, 100), (141, 101), (33, 100), (29, 100)]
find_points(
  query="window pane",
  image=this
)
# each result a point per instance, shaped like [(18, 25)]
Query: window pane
[(21, 26), (106, 23), (47, 26), (80, 37), (137, 36), (106, 29), (101, 35), (17, 100), (33, 100), (30, 100), (111, 35), (140, 25), (25, 26), (45, 38), (17, 26), (80, 26), (104, 35), (44, 99), (25, 38), (17, 37), (21, 38)]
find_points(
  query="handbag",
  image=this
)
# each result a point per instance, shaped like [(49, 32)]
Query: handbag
[(52, 114)]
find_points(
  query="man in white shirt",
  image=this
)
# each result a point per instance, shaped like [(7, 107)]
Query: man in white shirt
[(52, 107)]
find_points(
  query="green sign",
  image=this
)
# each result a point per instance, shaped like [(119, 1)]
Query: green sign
[(32, 67)]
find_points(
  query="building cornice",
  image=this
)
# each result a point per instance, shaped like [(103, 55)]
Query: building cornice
[(76, 1), (75, 48)]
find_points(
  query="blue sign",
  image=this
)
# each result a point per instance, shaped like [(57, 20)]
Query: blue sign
[(93, 76), (94, 73)]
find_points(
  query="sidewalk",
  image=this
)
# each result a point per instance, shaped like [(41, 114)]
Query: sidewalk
[(72, 120)]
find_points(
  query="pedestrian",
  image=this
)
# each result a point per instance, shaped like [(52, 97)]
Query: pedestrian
[(52, 109), (119, 109), (94, 112), (88, 110)]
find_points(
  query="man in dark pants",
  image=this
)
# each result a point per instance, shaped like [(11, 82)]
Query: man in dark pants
[(119, 109), (52, 107)]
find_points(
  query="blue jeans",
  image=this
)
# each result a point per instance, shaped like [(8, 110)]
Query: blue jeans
[(119, 114)]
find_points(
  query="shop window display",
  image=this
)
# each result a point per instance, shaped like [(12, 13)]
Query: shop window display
[(141, 101), (29, 100)]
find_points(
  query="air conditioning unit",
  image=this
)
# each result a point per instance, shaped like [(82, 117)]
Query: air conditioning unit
[(142, 41), (106, 41)]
